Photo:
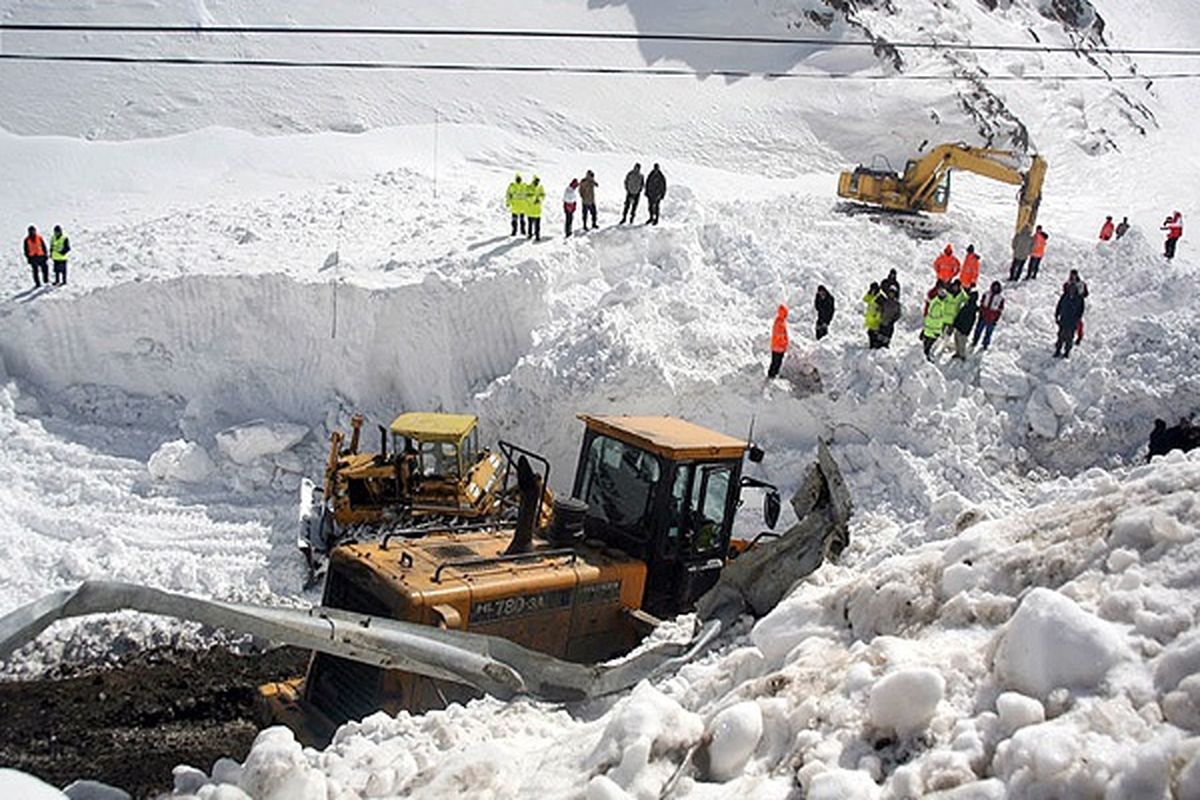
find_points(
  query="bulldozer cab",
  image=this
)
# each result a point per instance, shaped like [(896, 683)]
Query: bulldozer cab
[(664, 491), (438, 445)]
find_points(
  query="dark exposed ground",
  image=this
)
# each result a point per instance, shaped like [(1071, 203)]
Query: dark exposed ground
[(130, 725)]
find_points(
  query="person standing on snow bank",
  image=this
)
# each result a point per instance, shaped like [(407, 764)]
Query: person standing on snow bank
[(779, 341), (1037, 253), (534, 196), (825, 306), (1122, 228), (570, 199), (964, 321), (1067, 314), (871, 315), (514, 198), (1173, 225), (1082, 290), (1107, 229), (633, 190), (970, 268), (939, 314), (656, 190), (1022, 246), (990, 309), (60, 245), (35, 254), (889, 313), (890, 282), (946, 265), (587, 196)]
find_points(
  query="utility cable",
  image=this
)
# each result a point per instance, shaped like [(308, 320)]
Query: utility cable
[(614, 36), (559, 69)]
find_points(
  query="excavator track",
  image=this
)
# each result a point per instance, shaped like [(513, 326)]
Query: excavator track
[(913, 223)]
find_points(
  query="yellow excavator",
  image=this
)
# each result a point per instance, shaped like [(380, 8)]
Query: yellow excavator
[(925, 184)]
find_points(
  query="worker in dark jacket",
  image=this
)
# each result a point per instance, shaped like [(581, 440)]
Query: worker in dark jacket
[(824, 305), (1022, 247), (890, 282), (1067, 314), (889, 313), (964, 322), (587, 198), (656, 190), (633, 190)]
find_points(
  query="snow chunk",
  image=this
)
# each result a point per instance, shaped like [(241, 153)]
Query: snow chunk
[(602, 788), (1018, 711), (990, 789), (735, 734), (904, 701), (94, 790), (842, 784), (276, 769), (180, 460), (1145, 527), (1059, 401), (1002, 377), (246, 443), (17, 784), (646, 722), (1052, 642)]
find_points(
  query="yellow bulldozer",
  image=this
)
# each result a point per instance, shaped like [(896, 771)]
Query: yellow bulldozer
[(435, 473), (925, 184), (526, 608)]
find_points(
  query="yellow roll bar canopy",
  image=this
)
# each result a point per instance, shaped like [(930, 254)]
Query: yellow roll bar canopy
[(432, 426), (670, 437)]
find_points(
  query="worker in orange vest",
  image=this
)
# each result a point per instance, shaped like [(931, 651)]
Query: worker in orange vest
[(36, 254), (970, 268), (1107, 229), (779, 341), (946, 265), (1037, 253)]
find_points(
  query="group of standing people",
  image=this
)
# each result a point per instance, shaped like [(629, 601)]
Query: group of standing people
[(39, 257), (524, 200), (1173, 225)]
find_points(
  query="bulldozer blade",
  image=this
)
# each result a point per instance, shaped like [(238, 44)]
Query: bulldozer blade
[(764, 574), (490, 664)]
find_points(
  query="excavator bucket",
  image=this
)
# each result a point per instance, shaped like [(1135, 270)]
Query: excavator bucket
[(763, 574)]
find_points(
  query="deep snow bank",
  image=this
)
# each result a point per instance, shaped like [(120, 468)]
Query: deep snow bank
[(221, 351)]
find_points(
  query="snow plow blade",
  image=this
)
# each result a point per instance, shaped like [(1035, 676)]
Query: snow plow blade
[(487, 663), (763, 575)]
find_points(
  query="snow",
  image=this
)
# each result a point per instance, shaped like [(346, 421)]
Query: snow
[(18, 784), (246, 443), (904, 701), (734, 736), (1016, 611), (1051, 642)]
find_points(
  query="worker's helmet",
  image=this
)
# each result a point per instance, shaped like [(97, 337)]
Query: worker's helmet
[(32, 230), (949, 250)]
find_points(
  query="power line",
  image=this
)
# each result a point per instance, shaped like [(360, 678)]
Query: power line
[(615, 36), (558, 69)]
